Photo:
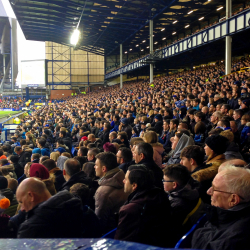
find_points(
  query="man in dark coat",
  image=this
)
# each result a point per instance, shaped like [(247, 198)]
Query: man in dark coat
[(73, 174), (158, 124), (146, 215), (24, 156), (229, 215), (143, 154), (46, 216), (124, 126)]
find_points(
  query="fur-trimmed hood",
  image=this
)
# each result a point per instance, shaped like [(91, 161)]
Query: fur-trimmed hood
[(212, 169)]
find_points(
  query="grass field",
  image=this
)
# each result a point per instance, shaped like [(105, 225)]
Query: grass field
[(6, 113)]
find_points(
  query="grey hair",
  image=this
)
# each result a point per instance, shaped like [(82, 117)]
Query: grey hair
[(218, 114), (237, 181)]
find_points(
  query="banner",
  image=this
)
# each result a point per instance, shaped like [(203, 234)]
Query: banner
[(7, 109)]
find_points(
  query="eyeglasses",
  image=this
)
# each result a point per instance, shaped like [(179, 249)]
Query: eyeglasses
[(166, 181), (225, 192)]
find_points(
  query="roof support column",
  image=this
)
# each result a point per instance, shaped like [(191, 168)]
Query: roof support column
[(121, 66), (228, 52), (151, 47)]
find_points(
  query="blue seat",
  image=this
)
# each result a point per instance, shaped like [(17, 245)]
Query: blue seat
[(73, 151), (110, 234), (185, 241)]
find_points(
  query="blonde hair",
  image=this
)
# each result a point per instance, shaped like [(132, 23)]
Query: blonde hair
[(150, 137), (54, 156)]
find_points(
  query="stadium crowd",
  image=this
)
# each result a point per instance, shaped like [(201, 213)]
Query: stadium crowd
[(147, 159)]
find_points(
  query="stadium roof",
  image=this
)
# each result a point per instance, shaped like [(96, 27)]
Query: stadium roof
[(107, 23)]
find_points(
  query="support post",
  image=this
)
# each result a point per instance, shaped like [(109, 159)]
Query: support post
[(88, 69), (121, 85), (27, 93), (4, 66), (151, 47), (228, 47)]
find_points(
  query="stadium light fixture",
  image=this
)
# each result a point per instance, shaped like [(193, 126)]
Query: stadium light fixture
[(164, 38), (201, 18), (174, 33), (142, 49), (191, 11), (162, 29), (155, 42), (187, 26), (144, 41), (147, 47), (175, 21), (75, 37), (130, 49), (220, 8), (137, 45), (126, 52)]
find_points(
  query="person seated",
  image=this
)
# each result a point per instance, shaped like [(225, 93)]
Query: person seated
[(143, 154), (110, 196), (35, 156), (53, 169), (24, 156), (45, 216), (184, 197), (8, 193), (7, 170), (229, 213), (13, 159), (92, 154), (124, 158), (181, 140), (146, 212), (73, 173), (215, 147), (91, 222)]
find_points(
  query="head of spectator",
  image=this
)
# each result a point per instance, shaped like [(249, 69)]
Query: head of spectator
[(36, 151), (67, 154), (234, 162), (230, 187), (173, 124), (91, 138), (71, 167), (215, 145), (43, 158), (105, 162), (225, 109), (12, 184), (150, 137), (192, 156), (60, 150), (215, 117), (92, 154), (124, 155), (18, 150), (49, 164), (82, 151), (123, 137), (27, 169), (109, 147), (143, 151), (54, 156), (224, 124), (112, 136), (89, 169), (137, 178), (30, 193), (35, 157), (81, 159), (175, 177), (39, 171), (238, 113), (82, 191)]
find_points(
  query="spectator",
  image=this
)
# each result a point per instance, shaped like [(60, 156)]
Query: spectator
[(230, 204), (49, 213), (24, 157), (110, 195), (124, 158), (73, 173), (143, 223)]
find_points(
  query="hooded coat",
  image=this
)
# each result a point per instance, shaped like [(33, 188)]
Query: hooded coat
[(109, 197), (61, 216), (226, 229), (183, 142), (158, 151)]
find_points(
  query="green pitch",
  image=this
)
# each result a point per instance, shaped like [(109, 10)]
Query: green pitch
[(8, 113)]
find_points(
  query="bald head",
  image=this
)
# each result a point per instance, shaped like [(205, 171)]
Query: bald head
[(31, 192)]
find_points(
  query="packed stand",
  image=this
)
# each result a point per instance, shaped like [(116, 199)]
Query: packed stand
[(148, 161)]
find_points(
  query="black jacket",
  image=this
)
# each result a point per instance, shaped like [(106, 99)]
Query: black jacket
[(226, 229), (24, 158), (158, 127), (157, 172), (79, 177), (19, 170), (146, 218), (61, 216), (124, 166)]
